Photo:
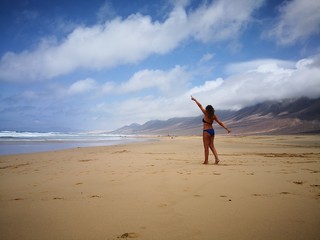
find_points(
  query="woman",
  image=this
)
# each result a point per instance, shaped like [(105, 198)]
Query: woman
[(208, 132)]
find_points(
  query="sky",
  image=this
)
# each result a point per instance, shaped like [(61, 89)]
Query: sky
[(78, 65)]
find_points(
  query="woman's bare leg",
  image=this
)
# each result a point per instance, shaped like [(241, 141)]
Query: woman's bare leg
[(213, 149), (206, 144)]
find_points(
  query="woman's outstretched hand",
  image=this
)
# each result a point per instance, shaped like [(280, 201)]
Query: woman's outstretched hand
[(192, 98)]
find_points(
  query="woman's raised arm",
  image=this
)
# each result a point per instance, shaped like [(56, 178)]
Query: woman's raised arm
[(199, 105)]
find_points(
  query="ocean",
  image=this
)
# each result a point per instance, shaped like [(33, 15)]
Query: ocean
[(12, 142)]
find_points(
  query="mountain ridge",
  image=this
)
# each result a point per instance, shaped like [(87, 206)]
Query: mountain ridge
[(289, 116)]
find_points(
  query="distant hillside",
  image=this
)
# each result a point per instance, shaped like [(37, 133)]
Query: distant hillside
[(291, 116)]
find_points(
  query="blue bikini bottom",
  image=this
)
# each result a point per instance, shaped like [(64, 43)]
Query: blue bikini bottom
[(210, 131)]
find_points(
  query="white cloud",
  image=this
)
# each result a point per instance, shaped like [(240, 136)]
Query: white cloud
[(221, 19), (142, 109), (264, 80), (166, 81), (208, 86), (125, 41), (82, 86), (171, 82), (297, 21), (258, 64), (101, 46)]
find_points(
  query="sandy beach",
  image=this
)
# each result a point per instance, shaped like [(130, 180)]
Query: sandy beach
[(265, 187)]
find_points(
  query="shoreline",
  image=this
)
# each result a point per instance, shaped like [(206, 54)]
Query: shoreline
[(35, 146), (264, 187)]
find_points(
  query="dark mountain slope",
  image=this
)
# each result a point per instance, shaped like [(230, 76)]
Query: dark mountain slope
[(289, 116)]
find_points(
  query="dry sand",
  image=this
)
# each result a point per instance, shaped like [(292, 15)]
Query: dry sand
[(266, 187)]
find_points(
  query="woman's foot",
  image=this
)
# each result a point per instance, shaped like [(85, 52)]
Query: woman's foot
[(205, 162), (217, 161)]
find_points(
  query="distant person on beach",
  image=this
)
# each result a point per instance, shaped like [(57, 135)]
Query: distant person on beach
[(208, 132)]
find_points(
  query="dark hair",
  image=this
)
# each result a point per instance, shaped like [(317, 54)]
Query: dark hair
[(210, 111)]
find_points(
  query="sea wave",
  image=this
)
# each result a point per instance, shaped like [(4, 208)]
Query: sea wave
[(14, 142), (56, 136)]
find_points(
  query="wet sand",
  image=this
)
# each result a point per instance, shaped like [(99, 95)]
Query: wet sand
[(265, 187)]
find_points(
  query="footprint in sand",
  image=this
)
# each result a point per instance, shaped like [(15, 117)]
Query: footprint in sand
[(284, 193), (129, 235), (256, 195), (17, 199), (95, 196), (85, 160), (121, 151), (298, 182)]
